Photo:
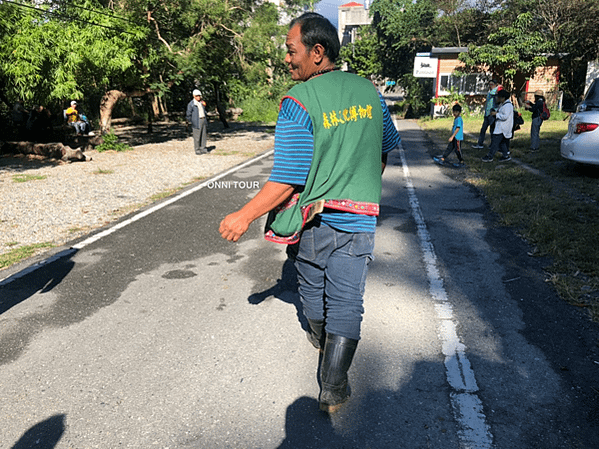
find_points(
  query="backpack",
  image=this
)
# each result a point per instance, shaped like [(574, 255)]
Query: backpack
[(545, 114), (518, 120)]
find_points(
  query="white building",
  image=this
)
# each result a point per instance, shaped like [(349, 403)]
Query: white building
[(351, 16)]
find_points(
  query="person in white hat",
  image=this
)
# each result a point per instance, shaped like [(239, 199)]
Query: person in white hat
[(73, 119), (196, 116)]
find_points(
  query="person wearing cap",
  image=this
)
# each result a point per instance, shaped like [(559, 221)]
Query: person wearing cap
[(196, 115), (73, 119), (489, 120), (535, 126)]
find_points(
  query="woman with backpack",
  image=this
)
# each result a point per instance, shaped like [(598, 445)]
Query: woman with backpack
[(539, 113)]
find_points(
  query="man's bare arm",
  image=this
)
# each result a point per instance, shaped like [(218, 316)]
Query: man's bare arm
[(270, 196)]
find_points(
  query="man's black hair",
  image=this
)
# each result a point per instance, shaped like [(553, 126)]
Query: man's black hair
[(456, 107), (503, 94), (316, 29)]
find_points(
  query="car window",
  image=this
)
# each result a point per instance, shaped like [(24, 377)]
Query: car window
[(592, 95)]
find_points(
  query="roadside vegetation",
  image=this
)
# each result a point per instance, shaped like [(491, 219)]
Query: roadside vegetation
[(16, 255), (553, 204), (111, 143)]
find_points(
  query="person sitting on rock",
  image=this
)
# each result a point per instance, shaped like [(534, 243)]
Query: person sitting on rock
[(73, 119)]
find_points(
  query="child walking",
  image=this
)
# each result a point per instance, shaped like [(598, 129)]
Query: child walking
[(457, 135)]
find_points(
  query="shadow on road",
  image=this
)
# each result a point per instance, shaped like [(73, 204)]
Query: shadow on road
[(44, 435), (306, 429), (22, 286)]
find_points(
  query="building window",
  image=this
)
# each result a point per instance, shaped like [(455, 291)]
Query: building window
[(473, 84)]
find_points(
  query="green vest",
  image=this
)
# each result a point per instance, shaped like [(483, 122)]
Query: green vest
[(345, 173)]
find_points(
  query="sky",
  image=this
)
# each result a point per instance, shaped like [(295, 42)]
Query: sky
[(329, 8)]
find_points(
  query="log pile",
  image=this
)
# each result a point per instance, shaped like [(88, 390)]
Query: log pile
[(54, 150)]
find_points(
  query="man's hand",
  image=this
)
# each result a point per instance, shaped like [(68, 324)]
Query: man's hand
[(270, 196), (234, 226)]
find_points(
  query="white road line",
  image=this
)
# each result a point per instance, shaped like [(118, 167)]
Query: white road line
[(473, 431), (127, 222)]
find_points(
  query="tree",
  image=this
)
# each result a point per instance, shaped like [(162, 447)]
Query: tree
[(361, 55), (106, 50), (468, 26), (403, 27), (512, 50), (49, 54), (451, 10), (573, 27)]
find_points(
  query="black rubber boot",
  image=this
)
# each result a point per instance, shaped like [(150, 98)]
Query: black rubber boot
[(315, 334), (338, 355)]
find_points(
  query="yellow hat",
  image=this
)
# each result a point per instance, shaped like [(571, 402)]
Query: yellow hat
[(539, 93)]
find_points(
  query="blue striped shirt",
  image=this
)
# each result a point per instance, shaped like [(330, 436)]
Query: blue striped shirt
[(294, 148)]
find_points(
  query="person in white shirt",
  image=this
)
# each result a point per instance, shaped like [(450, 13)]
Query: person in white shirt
[(196, 116), (504, 124)]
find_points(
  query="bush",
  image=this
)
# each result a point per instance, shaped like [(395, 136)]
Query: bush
[(111, 143), (416, 95), (260, 110)]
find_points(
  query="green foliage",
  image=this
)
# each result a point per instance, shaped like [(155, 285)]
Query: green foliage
[(511, 50), (46, 58), (361, 56), (449, 100), (260, 110), (403, 27), (66, 51), (111, 142), (417, 93), (453, 98)]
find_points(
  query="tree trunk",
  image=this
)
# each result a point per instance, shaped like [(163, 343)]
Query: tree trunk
[(109, 101), (106, 106), (163, 107), (155, 106), (222, 113)]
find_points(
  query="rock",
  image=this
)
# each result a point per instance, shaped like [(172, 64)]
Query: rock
[(70, 155)]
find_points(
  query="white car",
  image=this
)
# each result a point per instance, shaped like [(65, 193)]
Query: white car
[(581, 144)]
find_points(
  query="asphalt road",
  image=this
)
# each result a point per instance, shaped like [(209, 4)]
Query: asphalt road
[(158, 333)]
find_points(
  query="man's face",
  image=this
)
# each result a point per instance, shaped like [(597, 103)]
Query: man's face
[(301, 62), (492, 86), (197, 97)]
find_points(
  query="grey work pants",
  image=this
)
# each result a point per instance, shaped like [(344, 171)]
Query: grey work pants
[(199, 137)]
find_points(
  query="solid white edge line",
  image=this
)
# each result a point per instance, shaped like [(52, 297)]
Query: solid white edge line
[(473, 431), (124, 223)]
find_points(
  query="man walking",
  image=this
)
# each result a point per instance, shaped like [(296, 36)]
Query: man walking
[(332, 137), (196, 115)]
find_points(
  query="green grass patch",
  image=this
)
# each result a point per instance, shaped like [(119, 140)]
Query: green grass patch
[(103, 172), (164, 194), (557, 212), (18, 254), (27, 178)]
